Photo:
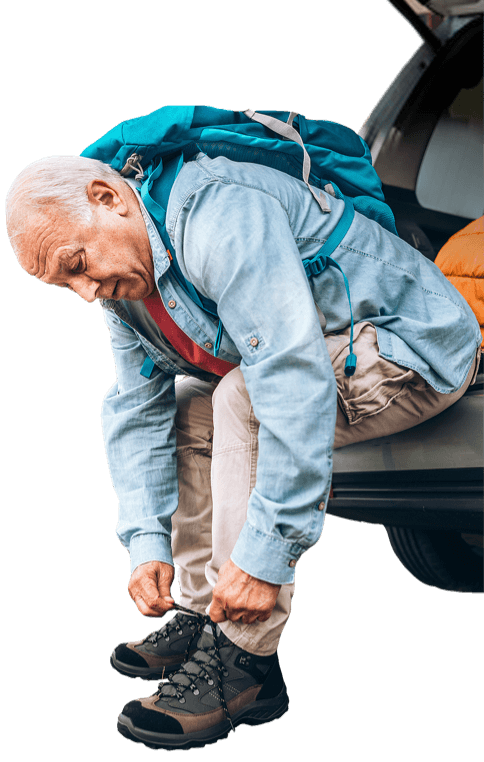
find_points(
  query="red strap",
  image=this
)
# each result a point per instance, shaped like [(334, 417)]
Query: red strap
[(181, 342)]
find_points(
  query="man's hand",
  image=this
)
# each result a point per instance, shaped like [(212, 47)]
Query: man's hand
[(238, 596), (149, 587)]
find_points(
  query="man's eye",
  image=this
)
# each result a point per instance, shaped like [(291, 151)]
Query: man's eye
[(78, 267)]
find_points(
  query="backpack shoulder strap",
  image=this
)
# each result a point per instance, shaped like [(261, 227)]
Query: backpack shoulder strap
[(286, 130), (155, 192)]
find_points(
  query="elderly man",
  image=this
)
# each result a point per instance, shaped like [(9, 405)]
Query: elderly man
[(228, 471)]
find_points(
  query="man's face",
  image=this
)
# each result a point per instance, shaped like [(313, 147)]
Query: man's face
[(107, 258)]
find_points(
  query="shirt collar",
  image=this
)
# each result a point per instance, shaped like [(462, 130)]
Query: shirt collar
[(161, 260)]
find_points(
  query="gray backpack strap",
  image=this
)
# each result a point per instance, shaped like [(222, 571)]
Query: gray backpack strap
[(286, 130)]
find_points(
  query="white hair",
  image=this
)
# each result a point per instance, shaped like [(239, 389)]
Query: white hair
[(55, 180)]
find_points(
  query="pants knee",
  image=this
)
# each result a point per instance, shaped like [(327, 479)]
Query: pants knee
[(233, 416), (193, 421), (231, 391)]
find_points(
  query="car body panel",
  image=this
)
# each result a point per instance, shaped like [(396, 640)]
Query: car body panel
[(430, 476)]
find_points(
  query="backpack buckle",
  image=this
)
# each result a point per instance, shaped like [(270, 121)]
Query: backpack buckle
[(315, 266)]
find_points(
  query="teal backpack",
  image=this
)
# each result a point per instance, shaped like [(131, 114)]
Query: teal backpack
[(325, 155)]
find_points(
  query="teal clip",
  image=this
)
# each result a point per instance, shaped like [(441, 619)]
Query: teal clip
[(218, 339), (147, 368)]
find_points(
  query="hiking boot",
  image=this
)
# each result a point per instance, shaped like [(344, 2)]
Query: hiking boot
[(219, 687), (162, 652)]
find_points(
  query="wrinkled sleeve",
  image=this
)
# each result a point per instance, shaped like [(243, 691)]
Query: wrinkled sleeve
[(138, 417), (236, 246)]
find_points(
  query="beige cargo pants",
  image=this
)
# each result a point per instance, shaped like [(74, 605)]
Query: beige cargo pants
[(217, 451)]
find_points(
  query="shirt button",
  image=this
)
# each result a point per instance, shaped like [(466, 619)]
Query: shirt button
[(254, 341), (171, 303), (292, 563), (208, 345), (321, 506)]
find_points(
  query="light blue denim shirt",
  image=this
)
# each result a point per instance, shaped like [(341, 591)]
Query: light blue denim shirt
[(241, 232)]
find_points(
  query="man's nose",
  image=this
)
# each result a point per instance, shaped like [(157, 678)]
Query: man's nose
[(86, 288)]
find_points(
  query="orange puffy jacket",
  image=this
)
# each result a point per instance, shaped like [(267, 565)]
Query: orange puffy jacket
[(461, 260)]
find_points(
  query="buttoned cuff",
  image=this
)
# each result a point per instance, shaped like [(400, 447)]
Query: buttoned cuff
[(154, 546), (266, 557)]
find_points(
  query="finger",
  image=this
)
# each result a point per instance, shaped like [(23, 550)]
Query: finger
[(216, 611), (163, 589), (148, 592), (246, 616), (150, 606), (157, 607), (249, 617), (145, 609)]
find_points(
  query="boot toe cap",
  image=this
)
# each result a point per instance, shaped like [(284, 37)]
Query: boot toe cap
[(146, 719), (125, 655)]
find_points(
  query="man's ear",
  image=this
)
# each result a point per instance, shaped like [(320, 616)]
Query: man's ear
[(107, 195)]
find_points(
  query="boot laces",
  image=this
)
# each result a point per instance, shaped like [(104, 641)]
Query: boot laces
[(200, 666), (175, 625)]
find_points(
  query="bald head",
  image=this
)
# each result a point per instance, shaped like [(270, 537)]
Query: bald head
[(75, 222), (56, 181)]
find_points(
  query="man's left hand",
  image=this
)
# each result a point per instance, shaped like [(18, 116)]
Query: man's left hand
[(239, 597)]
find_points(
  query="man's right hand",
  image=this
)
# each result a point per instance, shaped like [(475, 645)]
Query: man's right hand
[(149, 587)]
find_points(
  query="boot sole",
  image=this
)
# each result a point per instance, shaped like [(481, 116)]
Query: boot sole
[(256, 713), (146, 673)]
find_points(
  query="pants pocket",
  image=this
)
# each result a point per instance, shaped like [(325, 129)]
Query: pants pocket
[(377, 382)]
